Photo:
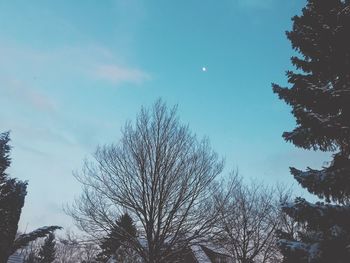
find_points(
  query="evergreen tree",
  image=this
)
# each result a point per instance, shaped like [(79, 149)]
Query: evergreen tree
[(123, 231), (32, 258), (47, 253), (320, 99), (12, 195)]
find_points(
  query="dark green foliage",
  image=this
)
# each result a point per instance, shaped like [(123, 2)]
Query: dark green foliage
[(320, 99), (12, 195), (32, 258), (320, 95), (123, 232), (47, 253), (23, 240), (5, 160)]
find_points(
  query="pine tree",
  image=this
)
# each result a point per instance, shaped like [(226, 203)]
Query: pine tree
[(320, 99), (47, 253), (12, 195), (32, 258), (122, 232)]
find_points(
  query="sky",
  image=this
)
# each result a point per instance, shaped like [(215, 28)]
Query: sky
[(73, 72)]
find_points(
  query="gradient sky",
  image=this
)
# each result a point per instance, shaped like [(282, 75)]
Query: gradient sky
[(72, 73)]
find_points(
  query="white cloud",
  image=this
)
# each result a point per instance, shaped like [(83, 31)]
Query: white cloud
[(68, 62), (117, 74)]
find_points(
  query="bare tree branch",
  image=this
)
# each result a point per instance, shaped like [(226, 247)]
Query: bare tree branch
[(249, 222), (162, 175)]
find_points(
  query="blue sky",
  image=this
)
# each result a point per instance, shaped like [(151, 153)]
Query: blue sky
[(72, 73)]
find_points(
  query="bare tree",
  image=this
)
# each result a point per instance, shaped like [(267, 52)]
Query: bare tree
[(249, 222), (288, 227), (73, 252), (162, 175), (71, 248), (68, 251)]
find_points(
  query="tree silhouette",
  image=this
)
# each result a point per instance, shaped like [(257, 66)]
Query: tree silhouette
[(47, 253), (162, 175), (12, 195), (320, 101), (123, 230)]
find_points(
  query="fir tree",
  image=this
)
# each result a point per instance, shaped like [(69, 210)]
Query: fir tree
[(12, 195), (47, 253), (32, 258), (320, 99), (122, 232)]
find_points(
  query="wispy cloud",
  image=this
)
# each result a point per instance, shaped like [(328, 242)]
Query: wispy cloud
[(118, 74), (89, 62), (21, 93), (37, 87)]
